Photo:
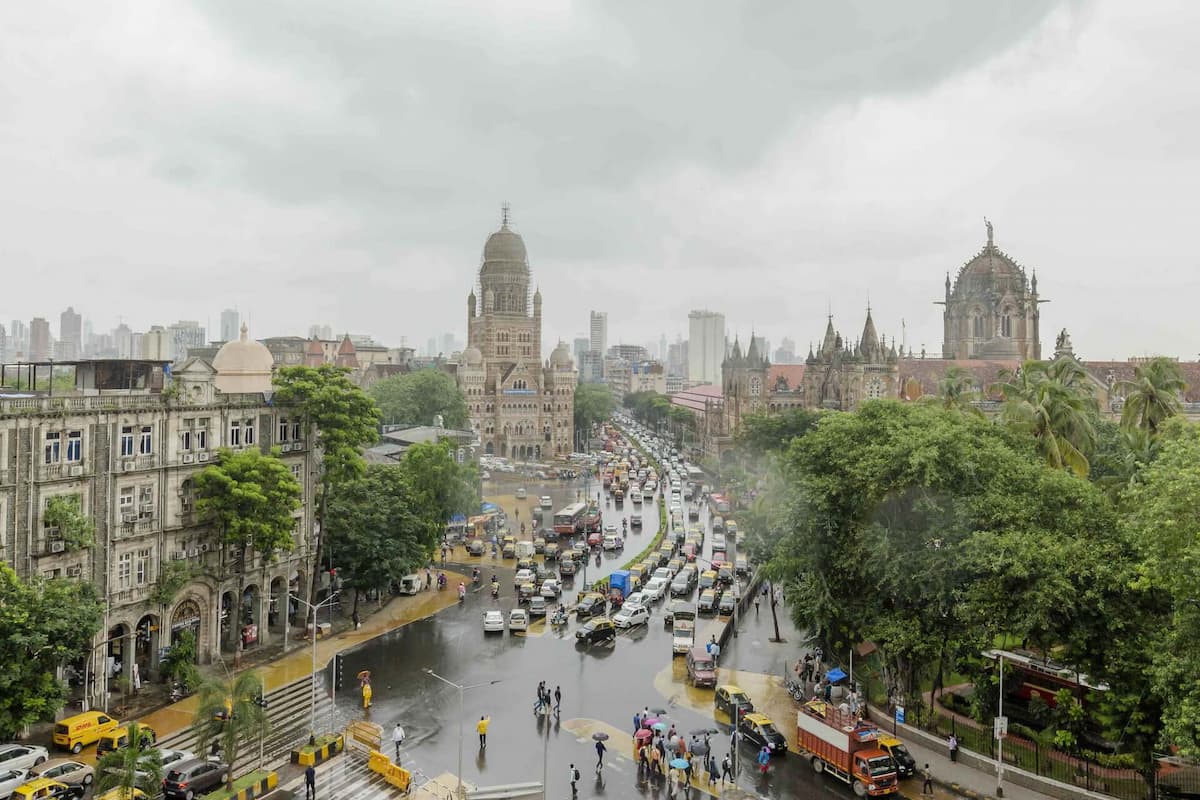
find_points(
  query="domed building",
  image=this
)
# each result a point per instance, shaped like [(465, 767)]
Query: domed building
[(243, 366), (521, 407), (991, 310)]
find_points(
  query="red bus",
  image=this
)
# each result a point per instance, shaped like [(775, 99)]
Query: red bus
[(569, 520)]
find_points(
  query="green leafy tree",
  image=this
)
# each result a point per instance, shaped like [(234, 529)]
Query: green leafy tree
[(1053, 402), (250, 499), (594, 403), (344, 421), (381, 529), (64, 513), (417, 397), (1162, 518), (771, 434), (232, 713), (133, 766), (180, 663), (957, 391), (440, 486), (1153, 396), (43, 625)]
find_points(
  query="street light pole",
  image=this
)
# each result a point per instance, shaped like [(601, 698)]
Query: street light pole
[(314, 609), (461, 690), (999, 738)]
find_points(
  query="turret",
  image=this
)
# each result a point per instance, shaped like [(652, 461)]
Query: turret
[(471, 305)]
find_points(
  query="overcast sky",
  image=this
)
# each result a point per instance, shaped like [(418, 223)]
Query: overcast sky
[(343, 163)]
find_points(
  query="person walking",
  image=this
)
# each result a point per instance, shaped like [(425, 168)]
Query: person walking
[(397, 739), (557, 699), (726, 770), (764, 758), (481, 728), (952, 744), (756, 605), (600, 750), (310, 783), (574, 774), (927, 780), (637, 722), (537, 704), (712, 769)]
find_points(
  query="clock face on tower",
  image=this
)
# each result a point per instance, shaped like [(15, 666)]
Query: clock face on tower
[(755, 386)]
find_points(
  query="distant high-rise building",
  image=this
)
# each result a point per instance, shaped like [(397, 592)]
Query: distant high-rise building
[(3, 346), (321, 331), (580, 346), (157, 343), (39, 340), (786, 354), (70, 335), (449, 345), (18, 339), (677, 358), (231, 325), (662, 348), (599, 331), (630, 352), (123, 341), (706, 345), (431, 347), (185, 335)]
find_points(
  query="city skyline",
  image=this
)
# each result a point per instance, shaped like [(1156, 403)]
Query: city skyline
[(835, 182)]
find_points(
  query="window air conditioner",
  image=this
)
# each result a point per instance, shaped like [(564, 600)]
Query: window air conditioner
[(74, 572), (129, 518), (76, 471), (126, 466), (58, 547), (202, 456), (178, 555), (188, 458), (204, 547), (195, 551)]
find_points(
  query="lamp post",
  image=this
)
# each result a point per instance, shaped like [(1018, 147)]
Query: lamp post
[(314, 609), (1001, 729), (461, 690)]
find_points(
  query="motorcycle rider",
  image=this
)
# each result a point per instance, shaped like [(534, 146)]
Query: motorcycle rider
[(462, 591)]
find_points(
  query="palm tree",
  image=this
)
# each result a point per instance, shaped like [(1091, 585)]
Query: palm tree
[(230, 713), (1152, 397), (132, 766), (1054, 403), (957, 392)]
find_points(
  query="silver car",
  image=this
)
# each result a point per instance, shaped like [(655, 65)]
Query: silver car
[(21, 756)]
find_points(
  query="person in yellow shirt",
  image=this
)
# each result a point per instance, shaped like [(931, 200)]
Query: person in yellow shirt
[(481, 727)]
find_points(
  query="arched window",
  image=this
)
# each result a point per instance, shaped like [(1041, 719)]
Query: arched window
[(1006, 324), (977, 325)]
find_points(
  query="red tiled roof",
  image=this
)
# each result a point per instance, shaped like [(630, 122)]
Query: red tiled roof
[(920, 376), (698, 398), (1124, 371), (792, 373)]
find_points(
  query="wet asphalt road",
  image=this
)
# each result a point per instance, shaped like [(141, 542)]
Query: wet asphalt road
[(606, 682)]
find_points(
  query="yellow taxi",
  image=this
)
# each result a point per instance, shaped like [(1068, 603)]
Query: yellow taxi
[(118, 738), (45, 789)]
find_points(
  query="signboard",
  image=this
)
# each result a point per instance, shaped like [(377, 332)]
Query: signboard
[(1000, 727), (900, 714)]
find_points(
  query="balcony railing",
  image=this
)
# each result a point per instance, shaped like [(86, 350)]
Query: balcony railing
[(83, 404), (133, 594)]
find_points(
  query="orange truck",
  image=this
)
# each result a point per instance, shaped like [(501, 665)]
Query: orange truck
[(846, 747)]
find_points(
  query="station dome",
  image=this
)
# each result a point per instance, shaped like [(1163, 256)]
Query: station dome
[(561, 357), (472, 357), (243, 366)]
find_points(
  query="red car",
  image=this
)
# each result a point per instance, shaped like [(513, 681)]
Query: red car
[(594, 539), (718, 559), (689, 551)]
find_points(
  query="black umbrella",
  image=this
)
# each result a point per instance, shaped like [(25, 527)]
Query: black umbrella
[(600, 736), (700, 748), (658, 711), (703, 732)]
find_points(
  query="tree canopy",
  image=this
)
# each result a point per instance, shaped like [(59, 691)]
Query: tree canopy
[(416, 397), (43, 625), (594, 403)]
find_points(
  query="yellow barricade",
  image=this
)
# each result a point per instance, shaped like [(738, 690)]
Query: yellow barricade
[(394, 774)]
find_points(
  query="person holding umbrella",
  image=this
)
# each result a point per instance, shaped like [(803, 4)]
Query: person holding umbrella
[(764, 758), (600, 750)]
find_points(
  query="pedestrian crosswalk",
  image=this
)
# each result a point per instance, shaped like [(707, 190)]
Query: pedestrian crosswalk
[(344, 776)]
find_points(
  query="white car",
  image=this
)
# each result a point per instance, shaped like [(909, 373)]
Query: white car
[(636, 599), (521, 494), (718, 542), (10, 779), (537, 606), (493, 621), (631, 614), (518, 620), (523, 576), (665, 573), (610, 527), (656, 588), (545, 501), (21, 756), (613, 542), (551, 588)]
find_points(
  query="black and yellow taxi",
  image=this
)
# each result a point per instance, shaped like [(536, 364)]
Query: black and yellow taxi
[(760, 731), (732, 700), (600, 629), (591, 603), (118, 738)]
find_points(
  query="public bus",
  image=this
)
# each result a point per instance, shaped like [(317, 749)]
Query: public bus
[(718, 504), (569, 520), (592, 519)]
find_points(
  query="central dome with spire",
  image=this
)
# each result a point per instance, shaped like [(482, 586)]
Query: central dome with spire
[(505, 269)]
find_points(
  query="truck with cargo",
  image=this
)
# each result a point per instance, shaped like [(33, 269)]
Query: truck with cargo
[(683, 636), (841, 744)]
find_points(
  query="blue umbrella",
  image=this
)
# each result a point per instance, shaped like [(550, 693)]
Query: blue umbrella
[(834, 675), (659, 726), (679, 763)]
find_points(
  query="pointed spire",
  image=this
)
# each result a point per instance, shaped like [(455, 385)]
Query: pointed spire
[(870, 338), (752, 354), (828, 344), (505, 214), (736, 354)]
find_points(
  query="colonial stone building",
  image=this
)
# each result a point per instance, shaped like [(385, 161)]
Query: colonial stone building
[(521, 407), (992, 310), (126, 445)]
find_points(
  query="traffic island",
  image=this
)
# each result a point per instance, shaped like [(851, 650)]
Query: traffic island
[(255, 784), (322, 749)]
